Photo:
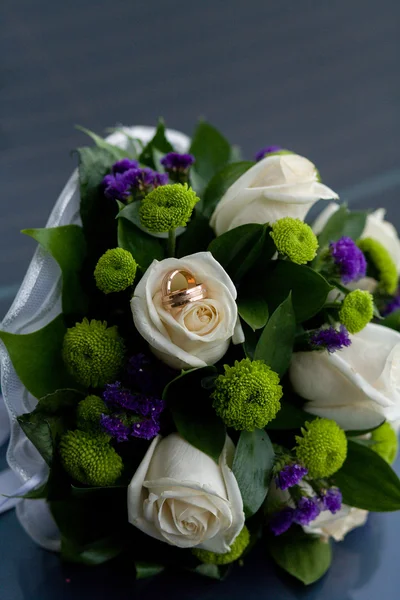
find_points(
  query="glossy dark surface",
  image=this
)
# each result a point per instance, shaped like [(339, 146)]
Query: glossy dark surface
[(319, 78)]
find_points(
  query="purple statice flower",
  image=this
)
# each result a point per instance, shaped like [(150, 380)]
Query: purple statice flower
[(146, 406), (146, 429), (173, 161), (331, 499), (115, 187), (307, 510), (124, 165), (290, 475), (331, 338), (282, 520), (349, 259), (392, 305), (266, 150), (159, 179), (115, 427)]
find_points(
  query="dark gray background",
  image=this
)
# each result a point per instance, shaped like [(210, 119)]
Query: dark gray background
[(321, 78)]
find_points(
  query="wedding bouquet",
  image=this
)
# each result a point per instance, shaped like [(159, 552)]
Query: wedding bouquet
[(191, 369)]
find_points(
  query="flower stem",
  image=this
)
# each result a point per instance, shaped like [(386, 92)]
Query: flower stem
[(171, 242)]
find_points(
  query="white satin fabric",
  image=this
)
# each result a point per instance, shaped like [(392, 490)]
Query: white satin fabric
[(37, 303)]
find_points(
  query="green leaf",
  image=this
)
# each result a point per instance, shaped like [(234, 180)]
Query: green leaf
[(220, 182), (357, 432), (94, 553), (309, 289), (251, 338), (342, 223), (290, 417), (100, 142), (252, 467), (97, 212), (392, 321), (355, 224), (211, 151), (53, 416), (275, 345), (159, 142), (367, 481), (145, 569), (253, 309), (303, 556), (193, 413), (67, 246), (196, 238), (143, 247), (39, 433), (212, 571), (37, 359), (238, 249)]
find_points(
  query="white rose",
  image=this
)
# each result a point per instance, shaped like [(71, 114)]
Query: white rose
[(376, 227), (179, 495), (359, 386), (277, 186), (200, 333), (338, 525)]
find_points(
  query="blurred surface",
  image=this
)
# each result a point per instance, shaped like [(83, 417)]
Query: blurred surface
[(319, 78)]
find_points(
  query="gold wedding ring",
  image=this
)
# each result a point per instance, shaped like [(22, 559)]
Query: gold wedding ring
[(176, 298)]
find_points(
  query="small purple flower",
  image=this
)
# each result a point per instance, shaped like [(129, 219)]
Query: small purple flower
[(115, 427), (331, 499), (290, 475), (173, 161), (146, 429), (349, 259), (116, 395), (267, 150), (307, 510), (331, 338), (124, 165), (115, 187), (282, 520), (392, 305), (159, 179)]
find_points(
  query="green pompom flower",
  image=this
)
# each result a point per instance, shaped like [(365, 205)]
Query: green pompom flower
[(322, 449), (89, 459), (247, 395), (386, 442), (357, 310), (93, 353), (89, 412), (115, 271), (295, 240), (379, 258), (236, 550), (167, 207)]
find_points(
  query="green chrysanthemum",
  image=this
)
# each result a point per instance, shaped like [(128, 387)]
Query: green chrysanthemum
[(167, 207), (90, 460), (247, 395), (93, 353), (115, 271), (322, 449), (89, 413), (379, 258), (294, 239), (386, 442), (238, 547), (357, 310)]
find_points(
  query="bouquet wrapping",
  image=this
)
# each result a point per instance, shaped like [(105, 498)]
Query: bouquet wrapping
[(190, 368)]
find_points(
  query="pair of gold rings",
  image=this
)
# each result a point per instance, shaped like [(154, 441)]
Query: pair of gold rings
[(190, 292)]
